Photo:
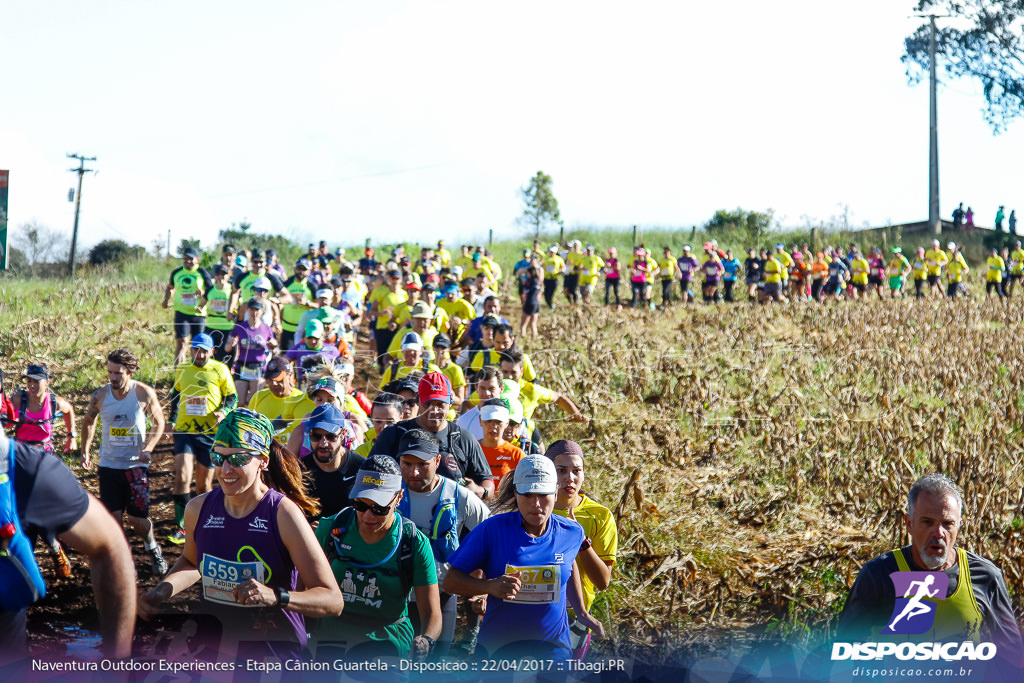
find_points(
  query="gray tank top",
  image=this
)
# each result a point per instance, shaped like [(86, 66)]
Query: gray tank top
[(124, 430)]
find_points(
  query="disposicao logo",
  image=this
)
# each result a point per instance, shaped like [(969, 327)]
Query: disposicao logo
[(913, 614)]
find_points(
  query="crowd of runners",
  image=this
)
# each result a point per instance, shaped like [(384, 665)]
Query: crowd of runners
[(430, 518)]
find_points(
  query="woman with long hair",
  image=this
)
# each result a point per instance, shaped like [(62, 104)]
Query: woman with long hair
[(249, 544)]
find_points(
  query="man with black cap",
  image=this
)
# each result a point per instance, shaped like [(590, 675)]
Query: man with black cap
[(331, 465), (438, 508), (279, 399), (461, 456), (189, 285)]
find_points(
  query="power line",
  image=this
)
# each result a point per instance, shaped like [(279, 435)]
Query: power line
[(81, 171)]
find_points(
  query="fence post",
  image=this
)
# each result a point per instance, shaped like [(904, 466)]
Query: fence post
[(490, 237)]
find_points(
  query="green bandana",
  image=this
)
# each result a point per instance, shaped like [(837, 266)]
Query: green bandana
[(245, 429)]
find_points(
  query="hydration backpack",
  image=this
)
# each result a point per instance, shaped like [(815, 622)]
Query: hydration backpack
[(21, 583)]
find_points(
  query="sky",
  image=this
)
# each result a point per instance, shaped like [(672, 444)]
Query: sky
[(416, 121)]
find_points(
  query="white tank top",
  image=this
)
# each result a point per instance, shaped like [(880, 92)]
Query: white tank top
[(124, 430)]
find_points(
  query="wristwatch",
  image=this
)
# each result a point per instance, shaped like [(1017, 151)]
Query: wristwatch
[(73, 435), (283, 596), (586, 544), (430, 641)]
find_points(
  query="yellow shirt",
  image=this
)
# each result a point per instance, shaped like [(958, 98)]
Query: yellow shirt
[(445, 257), (1017, 261), (935, 259), (466, 263), (202, 391), (920, 266), (667, 266), (553, 265), (485, 357), (955, 270), (532, 396), (385, 300), (590, 268), (995, 269), (785, 260), (395, 350), (599, 526), (279, 410), (393, 372), (772, 270), (860, 268)]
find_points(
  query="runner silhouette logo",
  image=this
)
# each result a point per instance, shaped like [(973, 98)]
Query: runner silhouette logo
[(917, 598)]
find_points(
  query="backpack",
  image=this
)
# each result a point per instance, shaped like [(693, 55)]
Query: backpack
[(21, 419), (21, 583), (443, 532), (344, 519)]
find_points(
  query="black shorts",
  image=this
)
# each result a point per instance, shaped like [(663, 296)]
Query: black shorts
[(832, 287), (860, 288), (571, 282), (1013, 276), (933, 279), (126, 490), (951, 289), (772, 288), (187, 326), (874, 280), (198, 445)]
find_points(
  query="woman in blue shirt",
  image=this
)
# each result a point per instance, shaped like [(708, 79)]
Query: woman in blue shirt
[(528, 559)]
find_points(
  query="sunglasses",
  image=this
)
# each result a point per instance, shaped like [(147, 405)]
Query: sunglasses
[(315, 437), (360, 506), (410, 402), (260, 290), (240, 459)]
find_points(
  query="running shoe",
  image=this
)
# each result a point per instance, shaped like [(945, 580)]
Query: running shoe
[(178, 537), (159, 563), (61, 563)]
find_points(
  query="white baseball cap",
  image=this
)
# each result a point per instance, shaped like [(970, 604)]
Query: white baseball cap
[(535, 474)]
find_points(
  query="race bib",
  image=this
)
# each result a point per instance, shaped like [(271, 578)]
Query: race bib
[(586, 271), (195, 405), (550, 269), (685, 267), (219, 306), (540, 584), (221, 576), (249, 374), (122, 436), (189, 299)]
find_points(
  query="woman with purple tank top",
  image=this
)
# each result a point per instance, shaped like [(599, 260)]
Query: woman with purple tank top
[(249, 545), (254, 339)]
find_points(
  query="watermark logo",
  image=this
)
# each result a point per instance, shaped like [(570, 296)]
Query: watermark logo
[(914, 611)]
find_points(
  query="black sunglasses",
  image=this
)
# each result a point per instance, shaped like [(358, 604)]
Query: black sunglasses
[(360, 506), (317, 438), (240, 459), (260, 289), (410, 402)]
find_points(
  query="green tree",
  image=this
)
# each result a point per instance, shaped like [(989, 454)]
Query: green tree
[(988, 47), (752, 226), (114, 251), (539, 204)]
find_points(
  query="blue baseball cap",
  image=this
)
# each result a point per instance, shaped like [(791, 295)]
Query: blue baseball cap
[(202, 341), (328, 418)]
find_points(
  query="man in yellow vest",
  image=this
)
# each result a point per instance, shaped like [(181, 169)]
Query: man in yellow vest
[(954, 594)]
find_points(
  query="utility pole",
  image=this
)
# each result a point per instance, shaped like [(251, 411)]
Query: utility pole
[(933, 139), (81, 171)]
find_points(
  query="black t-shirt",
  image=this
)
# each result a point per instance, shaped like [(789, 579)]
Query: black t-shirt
[(753, 268), (332, 488), (461, 455), (870, 603), (50, 501)]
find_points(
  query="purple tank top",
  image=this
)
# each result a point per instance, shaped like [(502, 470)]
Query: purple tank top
[(252, 344), (253, 538)]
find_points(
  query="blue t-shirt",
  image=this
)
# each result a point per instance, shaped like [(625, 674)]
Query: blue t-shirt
[(476, 327), (732, 266), (499, 542)]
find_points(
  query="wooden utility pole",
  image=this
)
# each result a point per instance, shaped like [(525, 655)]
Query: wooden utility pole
[(81, 171)]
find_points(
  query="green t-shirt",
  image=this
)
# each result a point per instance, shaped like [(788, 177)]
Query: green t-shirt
[(218, 298), (189, 287), (375, 608)]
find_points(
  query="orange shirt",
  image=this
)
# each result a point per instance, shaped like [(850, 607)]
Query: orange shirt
[(502, 459)]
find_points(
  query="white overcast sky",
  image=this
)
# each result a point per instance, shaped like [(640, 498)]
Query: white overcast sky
[(408, 120)]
